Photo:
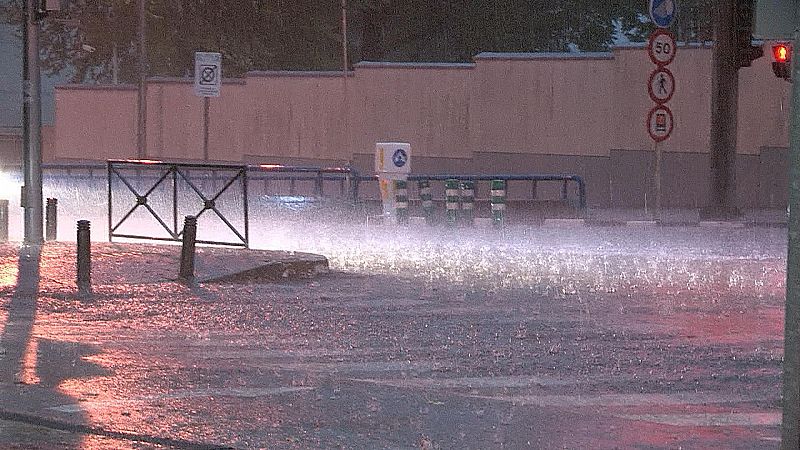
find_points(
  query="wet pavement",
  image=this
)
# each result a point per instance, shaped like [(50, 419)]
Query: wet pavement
[(480, 343)]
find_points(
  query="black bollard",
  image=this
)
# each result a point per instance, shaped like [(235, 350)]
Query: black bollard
[(51, 219), (187, 249), (84, 257), (3, 220)]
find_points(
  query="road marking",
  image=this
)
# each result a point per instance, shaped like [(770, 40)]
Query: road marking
[(712, 419)]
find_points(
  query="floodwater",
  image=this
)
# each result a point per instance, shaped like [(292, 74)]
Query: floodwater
[(422, 337)]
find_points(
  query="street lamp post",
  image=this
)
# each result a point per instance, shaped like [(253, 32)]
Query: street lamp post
[(141, 131), (32, 125)]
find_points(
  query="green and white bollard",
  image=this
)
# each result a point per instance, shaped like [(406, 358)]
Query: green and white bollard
[(401, 201), (451, 193), (427, 200), (468, 202), (498, 202)]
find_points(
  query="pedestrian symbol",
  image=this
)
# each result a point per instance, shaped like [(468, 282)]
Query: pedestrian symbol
[(661, 85), (400, 157)]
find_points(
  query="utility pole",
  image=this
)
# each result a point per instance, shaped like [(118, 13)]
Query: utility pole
[(141, 130), (790, 431), (724, 105), (32, 125)]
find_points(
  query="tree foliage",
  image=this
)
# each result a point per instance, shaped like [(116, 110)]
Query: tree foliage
[(306, 34)]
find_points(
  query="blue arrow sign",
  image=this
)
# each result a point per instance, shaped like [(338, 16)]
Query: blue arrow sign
[(663, 12), (400, 157)]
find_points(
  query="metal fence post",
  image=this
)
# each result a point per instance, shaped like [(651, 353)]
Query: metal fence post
[(427, 200), (468, 202), (51, 219), (84, 258), (451, 200), (3, 220), (188, 249), (498, 202), (401, 201)]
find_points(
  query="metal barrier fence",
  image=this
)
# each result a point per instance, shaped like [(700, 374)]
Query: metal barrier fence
[(150, 176), (140, 179), (564, 179), (172, 177)]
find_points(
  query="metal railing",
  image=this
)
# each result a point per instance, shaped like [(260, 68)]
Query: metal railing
[(565, 179), (170, 176)]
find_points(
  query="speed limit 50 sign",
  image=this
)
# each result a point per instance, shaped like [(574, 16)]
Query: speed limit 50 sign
[(661, 47)]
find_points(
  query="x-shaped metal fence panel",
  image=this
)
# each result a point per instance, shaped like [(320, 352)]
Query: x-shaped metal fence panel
[(176, 174)]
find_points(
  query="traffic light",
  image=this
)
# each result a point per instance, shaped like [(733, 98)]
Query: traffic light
[(782, 60), (746, 51)]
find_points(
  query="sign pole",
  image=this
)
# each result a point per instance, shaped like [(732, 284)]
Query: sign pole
[(790, 432), (206, 102), (657, 177)]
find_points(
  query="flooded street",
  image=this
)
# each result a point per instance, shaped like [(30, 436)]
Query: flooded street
[(529, 337)]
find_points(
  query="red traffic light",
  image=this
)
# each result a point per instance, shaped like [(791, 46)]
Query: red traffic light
[(781, 53)]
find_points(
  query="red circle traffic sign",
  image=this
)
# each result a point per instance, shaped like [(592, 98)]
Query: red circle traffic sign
[(661, 85), (661, 47), (660, 123)]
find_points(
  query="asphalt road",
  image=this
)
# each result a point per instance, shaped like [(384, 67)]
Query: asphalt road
[(593, 343)]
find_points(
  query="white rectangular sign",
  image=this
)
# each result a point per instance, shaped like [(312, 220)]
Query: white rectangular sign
[(207, 74), (393, 157)]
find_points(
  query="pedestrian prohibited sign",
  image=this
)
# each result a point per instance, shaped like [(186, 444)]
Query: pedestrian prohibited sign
[(660, 123), (661, 47), (661, 85), (400, 157), (207, 74)]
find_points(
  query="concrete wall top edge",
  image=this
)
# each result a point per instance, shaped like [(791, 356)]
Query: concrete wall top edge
[(411, 65), (543, 56), (295, 73), (133, 87), (99, 87), (680, 44), (179, 80), (372, 155)]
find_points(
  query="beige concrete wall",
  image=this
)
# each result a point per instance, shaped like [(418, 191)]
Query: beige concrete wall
[(294, 115), (427, 105), (10, 146), (93, 122), (581, 113), (541, 104)]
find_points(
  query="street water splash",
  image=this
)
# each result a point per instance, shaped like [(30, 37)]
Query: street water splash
[(545, 259)]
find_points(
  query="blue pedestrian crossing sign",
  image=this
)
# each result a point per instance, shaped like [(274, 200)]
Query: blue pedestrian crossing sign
[(663, 12), (400, 158)]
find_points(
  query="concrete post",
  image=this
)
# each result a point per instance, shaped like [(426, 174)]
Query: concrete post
[(51, 219), (84, 258), (186, 273), (3, 220)]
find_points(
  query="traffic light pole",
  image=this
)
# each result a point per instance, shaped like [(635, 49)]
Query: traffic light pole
[(724, 105), (32, 125), (790, 432)]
